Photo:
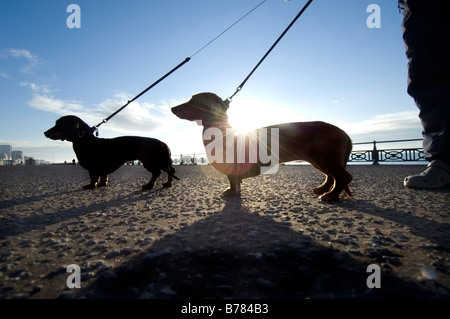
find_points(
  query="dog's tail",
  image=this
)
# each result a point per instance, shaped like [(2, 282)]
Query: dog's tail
[(348, 151), (170, 170)]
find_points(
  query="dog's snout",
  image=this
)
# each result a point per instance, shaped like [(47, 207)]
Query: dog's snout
[(49, 132), (53, 134), (180, 111)]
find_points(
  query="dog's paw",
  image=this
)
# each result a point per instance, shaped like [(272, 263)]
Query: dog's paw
[(90, 186), (329, 197), (167, 184), (230, 192), (319, 190), (147, 187)]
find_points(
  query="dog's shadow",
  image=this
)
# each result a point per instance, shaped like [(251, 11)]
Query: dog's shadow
[(8, 227), (236, 253)]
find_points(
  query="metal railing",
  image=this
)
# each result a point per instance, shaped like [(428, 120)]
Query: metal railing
[(388, 155), (374, 155)]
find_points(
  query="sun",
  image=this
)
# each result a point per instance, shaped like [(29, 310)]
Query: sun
[(244, 117), (241, 125), (247, 115)]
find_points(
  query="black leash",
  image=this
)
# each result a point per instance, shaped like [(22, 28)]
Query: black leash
[(229, 27), (137, 96), (239, 88), (95, 128)]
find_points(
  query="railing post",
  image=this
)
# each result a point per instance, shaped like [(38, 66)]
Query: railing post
[(375, 154)]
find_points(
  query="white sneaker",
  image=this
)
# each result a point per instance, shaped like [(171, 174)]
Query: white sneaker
[(437, 175)]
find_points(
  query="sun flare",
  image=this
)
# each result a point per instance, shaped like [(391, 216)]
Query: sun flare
[(248, 115)]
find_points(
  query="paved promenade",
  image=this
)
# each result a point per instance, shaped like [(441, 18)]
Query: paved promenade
[(277, 241)]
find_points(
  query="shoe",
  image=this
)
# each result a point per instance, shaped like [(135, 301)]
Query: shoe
[(437, 175)]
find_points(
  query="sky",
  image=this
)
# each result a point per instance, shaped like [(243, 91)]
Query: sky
[(330, 66)]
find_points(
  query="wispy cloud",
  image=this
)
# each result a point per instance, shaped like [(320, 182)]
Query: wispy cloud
[(385, 122), (136, 118), (5, 75), (44, 100), (32, 61), (384, 127), (51, 104), (37, 88)]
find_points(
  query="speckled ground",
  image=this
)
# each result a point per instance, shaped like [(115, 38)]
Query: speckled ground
[(277, 241)]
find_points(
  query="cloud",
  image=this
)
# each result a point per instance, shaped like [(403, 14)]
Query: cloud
[(385, 122), (32, 61), (136, 118), (44, 100), (5, 75), (37, 88), (385, 127), (16, 53), (25, 144), (51, 104)]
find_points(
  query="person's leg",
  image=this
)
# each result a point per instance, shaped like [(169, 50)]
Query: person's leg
[(428, 51)]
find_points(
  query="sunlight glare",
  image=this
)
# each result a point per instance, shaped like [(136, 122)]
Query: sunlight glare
[(246, 115)]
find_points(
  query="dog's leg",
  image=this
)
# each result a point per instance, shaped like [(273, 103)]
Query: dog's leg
[(235, 187), (348, 192), (342, 178), (94, 181), (327, 185), (337, 180), (103, 181), (170, 172), (169, 182), (155, 175)]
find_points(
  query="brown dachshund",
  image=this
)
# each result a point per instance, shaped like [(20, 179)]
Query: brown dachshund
[(324, 146), (101, 156)]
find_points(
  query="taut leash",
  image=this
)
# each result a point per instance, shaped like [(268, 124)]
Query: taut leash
[(137, 96), (95, 128), (239, 88)]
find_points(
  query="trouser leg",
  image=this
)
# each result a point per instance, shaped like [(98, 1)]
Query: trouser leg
[(427, 43)]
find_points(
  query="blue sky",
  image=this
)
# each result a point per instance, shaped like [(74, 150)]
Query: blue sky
[(330, 66)]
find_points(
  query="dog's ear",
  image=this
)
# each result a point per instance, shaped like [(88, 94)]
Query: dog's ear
[(84, 129), (74, 128), (226, 104), (218, 103), (70, 132)]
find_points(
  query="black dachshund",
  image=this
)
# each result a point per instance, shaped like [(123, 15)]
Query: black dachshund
[(101, 156)]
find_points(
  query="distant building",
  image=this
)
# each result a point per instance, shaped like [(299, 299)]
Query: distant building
[(185, 160), (5, 152), (30, 161), (17, 157)]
